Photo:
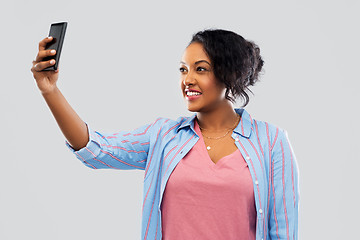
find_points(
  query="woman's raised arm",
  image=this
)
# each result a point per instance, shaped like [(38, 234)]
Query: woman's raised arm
[(71, 125)]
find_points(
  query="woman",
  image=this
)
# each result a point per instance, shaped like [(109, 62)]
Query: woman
[(218, 174)]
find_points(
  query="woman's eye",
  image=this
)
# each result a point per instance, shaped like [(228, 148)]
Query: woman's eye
[(182, 69), (201, 69)]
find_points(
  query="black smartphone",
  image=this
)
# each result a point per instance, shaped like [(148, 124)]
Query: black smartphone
[(57, 31)]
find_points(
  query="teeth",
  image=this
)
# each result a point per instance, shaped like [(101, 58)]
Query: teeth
[(192, 93)]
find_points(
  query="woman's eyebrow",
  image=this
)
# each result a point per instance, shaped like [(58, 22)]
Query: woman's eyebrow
[(197, 62), (200, 61)]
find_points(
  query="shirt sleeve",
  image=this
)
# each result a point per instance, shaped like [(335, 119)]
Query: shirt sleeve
[(284, 192), (119, 150)]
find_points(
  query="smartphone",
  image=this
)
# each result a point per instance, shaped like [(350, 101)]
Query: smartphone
[(57, 31)]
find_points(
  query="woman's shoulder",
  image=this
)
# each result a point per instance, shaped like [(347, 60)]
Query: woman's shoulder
[(266, 125), (249, 123), (166, 128), (267, 129), (166, 123)]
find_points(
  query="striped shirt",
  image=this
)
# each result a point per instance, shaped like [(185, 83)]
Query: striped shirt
[(158, 147)]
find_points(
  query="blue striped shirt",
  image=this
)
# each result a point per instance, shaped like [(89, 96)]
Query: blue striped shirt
[(158, 147)]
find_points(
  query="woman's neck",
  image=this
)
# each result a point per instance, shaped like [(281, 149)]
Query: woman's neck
[(218, 119)]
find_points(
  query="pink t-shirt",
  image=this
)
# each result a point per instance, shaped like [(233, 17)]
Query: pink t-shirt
[(204, 200)]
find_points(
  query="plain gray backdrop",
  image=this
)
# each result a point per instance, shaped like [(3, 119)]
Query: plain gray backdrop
[(119, 70)]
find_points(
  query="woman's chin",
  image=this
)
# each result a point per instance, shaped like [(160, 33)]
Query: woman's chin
[(192, 108)]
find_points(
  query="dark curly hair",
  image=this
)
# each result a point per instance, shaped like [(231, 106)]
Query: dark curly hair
[(236, 61)]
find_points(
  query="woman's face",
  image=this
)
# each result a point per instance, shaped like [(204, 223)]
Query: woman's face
[(201, 90)]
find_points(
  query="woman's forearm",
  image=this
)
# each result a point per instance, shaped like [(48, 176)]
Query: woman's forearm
[(71, 125)]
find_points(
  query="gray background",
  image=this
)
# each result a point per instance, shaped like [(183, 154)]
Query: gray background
[(119, 70)]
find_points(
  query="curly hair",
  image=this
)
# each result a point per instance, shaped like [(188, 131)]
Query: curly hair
[(236, 61)]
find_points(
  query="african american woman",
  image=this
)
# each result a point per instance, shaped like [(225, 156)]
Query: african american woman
[(218, 174)]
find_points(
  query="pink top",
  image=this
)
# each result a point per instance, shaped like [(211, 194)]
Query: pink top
[(204, 200)]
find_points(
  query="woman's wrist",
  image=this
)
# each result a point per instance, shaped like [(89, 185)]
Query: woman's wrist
[(49, 92)]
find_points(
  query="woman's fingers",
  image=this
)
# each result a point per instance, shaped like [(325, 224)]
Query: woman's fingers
[(44, 53), (43, 58), (39, 66), (44, 42)]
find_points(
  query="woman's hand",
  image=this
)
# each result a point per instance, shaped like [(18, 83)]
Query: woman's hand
[(46, 80)]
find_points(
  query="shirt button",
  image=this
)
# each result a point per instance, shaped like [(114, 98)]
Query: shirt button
[(247, 158), (237, 139), (260, 211), (256, 182)]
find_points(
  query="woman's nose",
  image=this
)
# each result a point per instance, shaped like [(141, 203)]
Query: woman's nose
[(189, 79)]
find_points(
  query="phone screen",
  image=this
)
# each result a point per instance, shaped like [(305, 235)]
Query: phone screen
[(57, 31)]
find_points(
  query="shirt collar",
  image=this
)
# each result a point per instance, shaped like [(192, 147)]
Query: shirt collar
[(244, 127)]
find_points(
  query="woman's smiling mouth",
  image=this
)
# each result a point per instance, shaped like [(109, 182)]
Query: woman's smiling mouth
[(192, 94)]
